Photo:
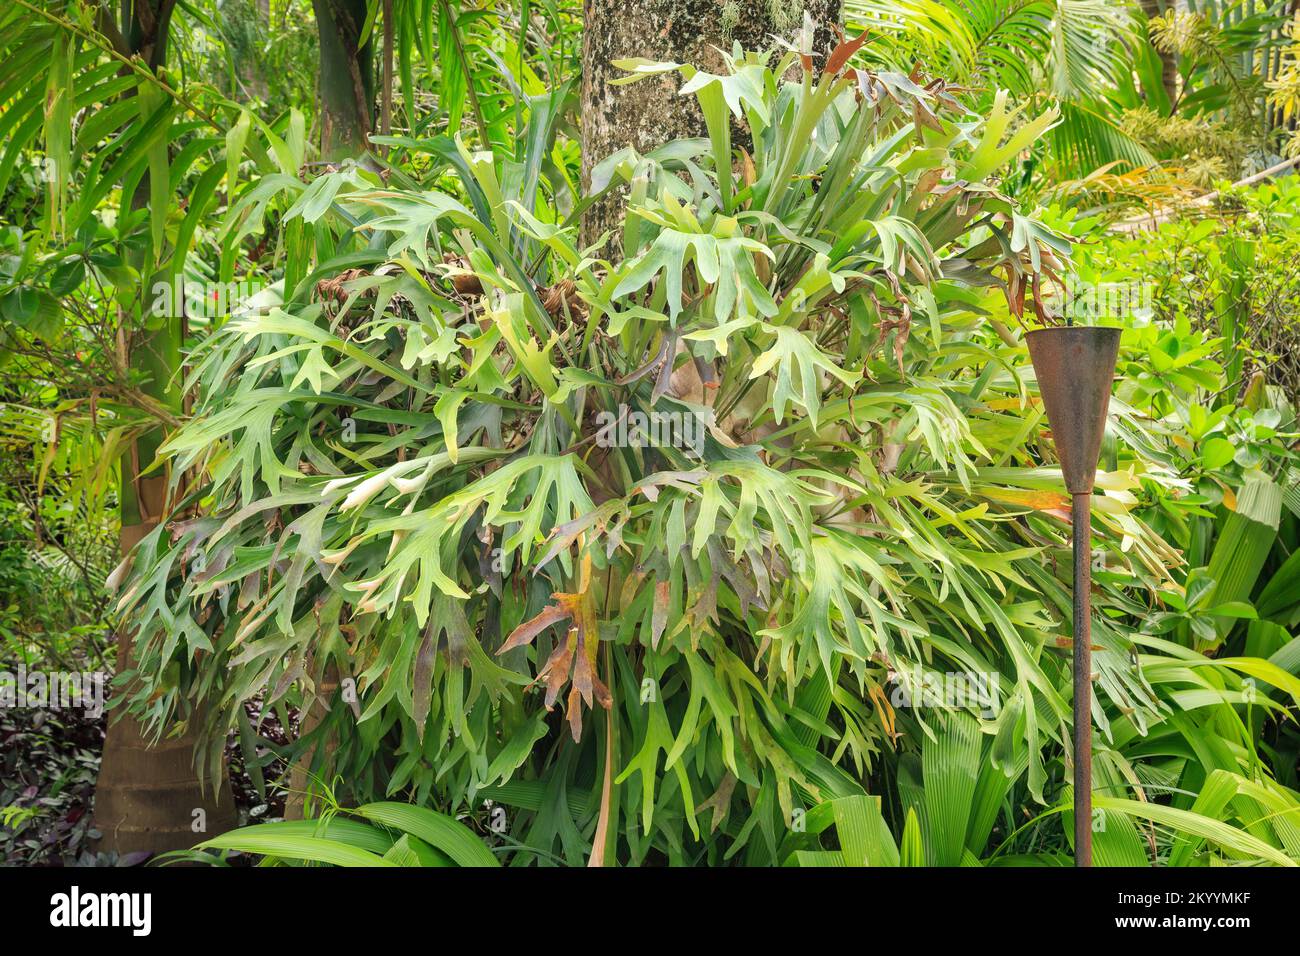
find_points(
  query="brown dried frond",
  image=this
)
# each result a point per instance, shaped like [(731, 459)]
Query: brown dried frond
[(464, 281), (332, 290), (562, 295)]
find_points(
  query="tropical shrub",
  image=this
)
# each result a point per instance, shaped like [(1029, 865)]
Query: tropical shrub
[(1159, 97), (1080, 54), (951, 821), (1226, 272)]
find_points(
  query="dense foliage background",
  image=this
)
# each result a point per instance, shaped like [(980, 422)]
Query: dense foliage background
[(320, 419)]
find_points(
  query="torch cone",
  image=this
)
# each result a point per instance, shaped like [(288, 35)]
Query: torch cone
[(1075, 367)]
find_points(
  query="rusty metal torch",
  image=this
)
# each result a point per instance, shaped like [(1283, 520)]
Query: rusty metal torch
[(1075, 366)]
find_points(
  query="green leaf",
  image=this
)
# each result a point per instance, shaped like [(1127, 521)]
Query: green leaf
[(1216, 453), (439, 831), (269, 842), (35, 310), (1194, 824)]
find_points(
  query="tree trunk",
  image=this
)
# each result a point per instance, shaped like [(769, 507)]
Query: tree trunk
[(347, 78), (303, 783), (1168, 61), (149, 798), (249, 66), (649, 113)]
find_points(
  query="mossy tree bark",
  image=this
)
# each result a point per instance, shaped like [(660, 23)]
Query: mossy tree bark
[(650, 112)]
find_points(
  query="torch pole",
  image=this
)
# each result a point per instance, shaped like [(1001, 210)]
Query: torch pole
[(1075, 368), (1082, 526)]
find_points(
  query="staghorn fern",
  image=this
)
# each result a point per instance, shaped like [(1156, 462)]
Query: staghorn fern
[(407, 486)]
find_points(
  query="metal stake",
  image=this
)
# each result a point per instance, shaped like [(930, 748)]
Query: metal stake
[(1081, 517)]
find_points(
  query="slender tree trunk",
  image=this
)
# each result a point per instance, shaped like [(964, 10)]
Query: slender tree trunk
[(649, 113), (251, 68), (347, 78), (1168, 61), (386, 93), (149, 798)]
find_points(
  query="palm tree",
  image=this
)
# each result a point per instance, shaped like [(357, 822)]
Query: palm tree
[(1069, 50)]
